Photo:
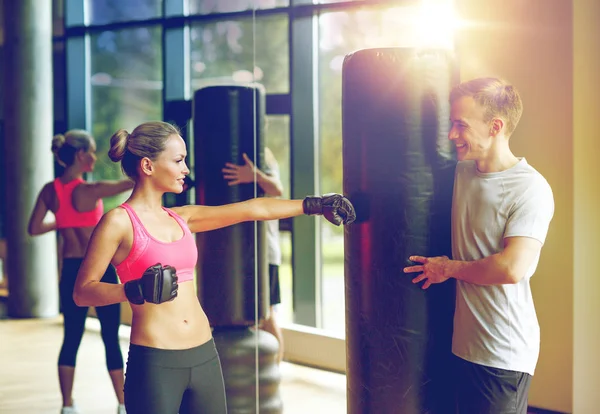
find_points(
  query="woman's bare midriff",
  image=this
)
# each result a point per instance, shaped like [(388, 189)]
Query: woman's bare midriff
[(178, 324)]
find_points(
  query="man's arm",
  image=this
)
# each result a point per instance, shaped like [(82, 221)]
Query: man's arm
[(243, 174), (509, 266)]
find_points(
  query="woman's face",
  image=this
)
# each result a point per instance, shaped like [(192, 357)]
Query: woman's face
[(88, 158), (170, 166)]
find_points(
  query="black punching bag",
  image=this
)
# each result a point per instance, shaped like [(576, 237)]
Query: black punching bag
[(228, 121), (232, 263), (399, 173)]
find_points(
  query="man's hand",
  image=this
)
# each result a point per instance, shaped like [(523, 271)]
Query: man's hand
[(434, 269), (239, 174)]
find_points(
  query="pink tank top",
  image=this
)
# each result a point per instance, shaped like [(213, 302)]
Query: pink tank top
[(66, 215), (146, 251)]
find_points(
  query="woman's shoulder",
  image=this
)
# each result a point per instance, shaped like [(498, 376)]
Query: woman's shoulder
[(190, 211), (116, 217), (182, 211), (47, 191)]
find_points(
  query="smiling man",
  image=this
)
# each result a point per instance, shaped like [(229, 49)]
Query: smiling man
[(501, 211)]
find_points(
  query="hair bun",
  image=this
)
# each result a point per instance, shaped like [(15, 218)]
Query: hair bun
[(118, 145), (57, 142)]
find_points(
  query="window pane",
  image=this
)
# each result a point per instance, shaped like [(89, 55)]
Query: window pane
[(231, 51), (336, 1), (59, 77), (286, 308), (277, 138), (126, 81), (111, 11), (340, 34), (58, 17), (221, 6)]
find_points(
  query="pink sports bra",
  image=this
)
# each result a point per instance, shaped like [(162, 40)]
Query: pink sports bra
[(66, 215), (146, 251)]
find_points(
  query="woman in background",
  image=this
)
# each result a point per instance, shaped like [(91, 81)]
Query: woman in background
[(77, 207)]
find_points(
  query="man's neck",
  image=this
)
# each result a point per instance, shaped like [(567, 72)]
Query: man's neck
[(501, 161)]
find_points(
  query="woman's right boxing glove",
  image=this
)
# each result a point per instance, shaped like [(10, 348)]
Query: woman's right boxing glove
[(334, 207)]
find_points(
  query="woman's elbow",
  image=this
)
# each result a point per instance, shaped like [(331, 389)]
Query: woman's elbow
[(79, 296), (32, 231)]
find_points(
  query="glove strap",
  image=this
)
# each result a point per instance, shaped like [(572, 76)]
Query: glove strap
[(133, 291), (312, 205)]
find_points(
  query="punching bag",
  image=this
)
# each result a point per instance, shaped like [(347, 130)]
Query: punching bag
[(399, 173), (233, 284), (227, 122)]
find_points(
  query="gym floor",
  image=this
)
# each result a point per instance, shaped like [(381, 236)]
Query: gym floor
[(29, 384)]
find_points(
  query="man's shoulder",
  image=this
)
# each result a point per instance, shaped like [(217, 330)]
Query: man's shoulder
[(533, 178)]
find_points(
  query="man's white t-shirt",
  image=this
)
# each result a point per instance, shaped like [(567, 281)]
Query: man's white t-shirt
[(497, 326), (272, 226)]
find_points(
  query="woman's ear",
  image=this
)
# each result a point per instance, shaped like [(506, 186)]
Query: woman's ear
[(146, 166), (80, 154)]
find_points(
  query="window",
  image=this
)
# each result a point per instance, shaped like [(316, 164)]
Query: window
[(111, 11), (239, 51), (59, 75), (58, 18), (220, 6), (126, 79)]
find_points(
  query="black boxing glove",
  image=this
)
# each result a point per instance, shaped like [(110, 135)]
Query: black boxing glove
[(334, 207), (158, 284)]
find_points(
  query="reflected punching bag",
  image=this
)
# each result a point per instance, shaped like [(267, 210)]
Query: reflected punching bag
[(399, 173), (232, 263), (227, 123)]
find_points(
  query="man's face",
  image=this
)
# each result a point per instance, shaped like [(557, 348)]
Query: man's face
[(471, 135)]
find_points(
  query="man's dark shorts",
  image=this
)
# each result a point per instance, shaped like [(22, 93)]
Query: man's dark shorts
[(275, 291), (482, 389)]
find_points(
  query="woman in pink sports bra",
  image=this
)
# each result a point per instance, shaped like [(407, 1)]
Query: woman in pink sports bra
[(77, 207), (173, 366)]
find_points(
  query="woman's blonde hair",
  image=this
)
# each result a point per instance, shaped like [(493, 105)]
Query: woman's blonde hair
[(147, 140), (66, 146)]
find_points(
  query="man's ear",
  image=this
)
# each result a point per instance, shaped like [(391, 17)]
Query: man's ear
[(496, 126), (146, 166)]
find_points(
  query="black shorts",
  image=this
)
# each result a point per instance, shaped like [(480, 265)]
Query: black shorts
[(274, 290), (482, 389)]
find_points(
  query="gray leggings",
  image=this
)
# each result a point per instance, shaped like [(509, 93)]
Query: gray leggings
[(164, 381)]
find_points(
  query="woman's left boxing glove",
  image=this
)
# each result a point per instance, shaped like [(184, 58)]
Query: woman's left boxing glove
[(158, 284)]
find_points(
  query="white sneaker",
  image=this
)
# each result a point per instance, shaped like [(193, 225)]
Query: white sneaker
[(69, 410), (121, 409)]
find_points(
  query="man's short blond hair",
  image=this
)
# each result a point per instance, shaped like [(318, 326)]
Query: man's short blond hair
[(498, 98)]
